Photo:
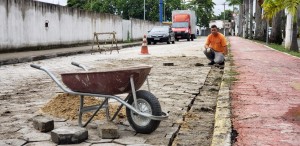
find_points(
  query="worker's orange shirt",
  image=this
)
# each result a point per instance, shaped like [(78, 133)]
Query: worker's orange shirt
[(217, 43)]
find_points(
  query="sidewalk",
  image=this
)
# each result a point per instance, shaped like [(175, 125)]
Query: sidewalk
[(27, 56), (266, 97)]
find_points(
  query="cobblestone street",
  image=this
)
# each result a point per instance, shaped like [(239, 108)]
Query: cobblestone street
[(188, 92)]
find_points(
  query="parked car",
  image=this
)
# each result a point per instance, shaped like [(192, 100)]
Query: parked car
[(161, 34)]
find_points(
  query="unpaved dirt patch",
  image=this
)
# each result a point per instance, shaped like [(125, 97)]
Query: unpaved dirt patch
[(198, 122), (67, 106)]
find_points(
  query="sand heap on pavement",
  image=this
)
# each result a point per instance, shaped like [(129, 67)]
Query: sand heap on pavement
[(66, 106)]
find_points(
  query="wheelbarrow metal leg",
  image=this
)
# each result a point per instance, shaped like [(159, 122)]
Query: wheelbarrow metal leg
[(81, 111), (148, 84), (118, 110), (107, 109), (133, 92)]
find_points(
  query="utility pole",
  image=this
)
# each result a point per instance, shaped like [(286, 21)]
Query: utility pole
[(267, 38), (160, 10), (224, 21), (144, 10)]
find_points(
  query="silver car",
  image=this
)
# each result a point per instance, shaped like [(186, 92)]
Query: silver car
[(161, 34)]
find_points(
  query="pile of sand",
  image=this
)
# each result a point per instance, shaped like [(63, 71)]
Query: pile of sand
[(67, 106)]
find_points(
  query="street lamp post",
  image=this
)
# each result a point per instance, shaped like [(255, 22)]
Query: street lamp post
[(144, 10)]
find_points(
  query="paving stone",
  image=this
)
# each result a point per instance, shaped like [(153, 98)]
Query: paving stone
[(108, 131), (43, 143), (140, 145), (79, 144), (60, 124), (69, 135), (36, 136), (43, 124), (155, 138), (12, 142), (107, 144), (94, 136), (8, 129), (99, 141), (126, 140)]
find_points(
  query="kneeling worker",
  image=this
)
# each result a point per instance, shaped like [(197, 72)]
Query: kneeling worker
[(215, 47)]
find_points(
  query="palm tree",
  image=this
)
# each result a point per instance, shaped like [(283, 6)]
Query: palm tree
[(276, 33), (246, 5), (251, 19), (241, 20), (272, 7), (261, 24), (237, 2)]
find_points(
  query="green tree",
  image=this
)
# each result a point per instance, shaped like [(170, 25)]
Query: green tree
[(228, 16), (261, 24), (272, 7), (203, 10), (171, 5), (76, 3), (276, 33), (241, 12)]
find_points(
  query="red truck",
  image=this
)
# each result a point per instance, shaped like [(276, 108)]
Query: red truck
[(184, 24)]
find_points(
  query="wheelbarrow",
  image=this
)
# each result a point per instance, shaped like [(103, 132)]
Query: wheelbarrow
[(143, 110)]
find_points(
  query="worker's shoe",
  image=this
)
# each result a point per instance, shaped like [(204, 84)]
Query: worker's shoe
[(222, 63), (211, 63)]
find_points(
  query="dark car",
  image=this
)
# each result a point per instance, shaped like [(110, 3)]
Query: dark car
[(161, 34)]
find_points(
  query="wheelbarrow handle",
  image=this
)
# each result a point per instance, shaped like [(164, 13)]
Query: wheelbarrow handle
[(79, 65), (52, 76), (35, 66)]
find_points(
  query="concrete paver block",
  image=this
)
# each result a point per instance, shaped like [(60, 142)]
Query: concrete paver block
[(107, 144), (43, 143), (43, 124), (69, 135), (108, 131), (35, 136), (12, 142), (130, 140)]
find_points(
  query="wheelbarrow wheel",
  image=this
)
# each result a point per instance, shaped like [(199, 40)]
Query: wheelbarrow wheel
[(147, 103)]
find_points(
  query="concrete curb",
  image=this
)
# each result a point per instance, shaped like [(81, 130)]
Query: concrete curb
[(223, 125), (52, 54)]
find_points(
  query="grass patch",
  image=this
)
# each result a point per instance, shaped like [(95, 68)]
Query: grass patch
[(231, 79), (231, 73), (282, 49), (279, 48)]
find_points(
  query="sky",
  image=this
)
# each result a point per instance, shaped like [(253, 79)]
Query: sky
[(219, 7), (217, 10), (60, 2)]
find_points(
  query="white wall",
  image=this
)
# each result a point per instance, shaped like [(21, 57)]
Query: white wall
[(22, 25), (127, 34)]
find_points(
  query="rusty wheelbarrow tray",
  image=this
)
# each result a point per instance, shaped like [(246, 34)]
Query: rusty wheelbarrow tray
[(143, 110)]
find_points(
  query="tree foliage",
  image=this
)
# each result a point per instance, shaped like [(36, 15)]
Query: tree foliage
[(272, 7), (234, 2), (128, 8), (204, 11), (135, 8), (228, 15)]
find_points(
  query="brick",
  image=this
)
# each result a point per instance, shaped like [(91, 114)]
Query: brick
[(69, 135), (108, 131), (43, 124)]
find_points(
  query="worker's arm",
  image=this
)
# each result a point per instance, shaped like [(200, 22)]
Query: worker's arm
[(224, 44), (206, 46), (207, 43), (225, 50)]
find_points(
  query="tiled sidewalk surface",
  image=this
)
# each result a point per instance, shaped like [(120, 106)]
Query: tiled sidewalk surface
[(266, 97)]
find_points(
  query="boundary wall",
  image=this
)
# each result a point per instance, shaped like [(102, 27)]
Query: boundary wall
[(31, 25)]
